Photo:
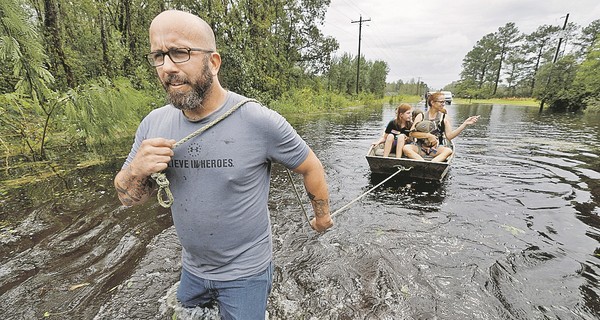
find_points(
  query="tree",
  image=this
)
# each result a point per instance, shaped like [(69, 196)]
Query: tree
[(55, 43), (267, 48), (516, 73), (377, 75), (586, 85), (585, 41), (26, 112), (342, 73), (539, 46), (478, 64), (507, 38), (554, 82)]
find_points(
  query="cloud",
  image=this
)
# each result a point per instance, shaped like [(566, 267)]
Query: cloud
[(429, 38)]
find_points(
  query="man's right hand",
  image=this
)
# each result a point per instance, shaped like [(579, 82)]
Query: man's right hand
[(320, 225), (152, 156), (133, 182)]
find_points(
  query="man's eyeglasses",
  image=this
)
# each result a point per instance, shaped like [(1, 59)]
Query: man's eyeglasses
[(440, 101), (177, 55)]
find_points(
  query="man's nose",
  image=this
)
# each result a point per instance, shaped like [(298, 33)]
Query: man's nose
[(168, 64)]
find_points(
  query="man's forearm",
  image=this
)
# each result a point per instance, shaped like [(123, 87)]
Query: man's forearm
[(132, 189), (320, 205), (316, 188)]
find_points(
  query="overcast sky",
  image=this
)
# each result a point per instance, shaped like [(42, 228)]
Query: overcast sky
[(428, 39)]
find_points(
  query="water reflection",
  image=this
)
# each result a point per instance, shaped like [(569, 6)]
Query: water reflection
[(516, 216)]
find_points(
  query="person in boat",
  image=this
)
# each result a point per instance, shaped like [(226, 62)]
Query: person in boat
[(396, 133), (219, 179), (430, 142)]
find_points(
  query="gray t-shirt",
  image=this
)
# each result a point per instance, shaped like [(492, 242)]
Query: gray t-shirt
[(220, 184)]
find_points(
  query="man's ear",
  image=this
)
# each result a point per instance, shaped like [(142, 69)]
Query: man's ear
[(215, 63)]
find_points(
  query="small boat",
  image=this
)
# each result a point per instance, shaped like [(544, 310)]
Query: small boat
[(418, 169)]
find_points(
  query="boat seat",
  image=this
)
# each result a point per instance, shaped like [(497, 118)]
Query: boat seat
[(379, 151)]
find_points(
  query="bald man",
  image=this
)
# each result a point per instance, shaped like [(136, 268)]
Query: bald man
[(219, 179)]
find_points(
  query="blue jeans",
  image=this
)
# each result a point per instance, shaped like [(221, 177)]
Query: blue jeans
[(244, 298)]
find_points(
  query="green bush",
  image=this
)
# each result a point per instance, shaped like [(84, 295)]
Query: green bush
[(308, 100)]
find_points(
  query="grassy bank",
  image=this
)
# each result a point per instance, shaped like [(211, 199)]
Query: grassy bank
[(526, 102), (529, 102), (306, 101)]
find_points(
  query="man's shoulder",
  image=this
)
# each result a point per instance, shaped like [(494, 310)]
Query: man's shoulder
[(252, 109), (160, 115), (235, 98)]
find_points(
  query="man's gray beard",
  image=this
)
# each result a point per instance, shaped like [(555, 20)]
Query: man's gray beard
[(193, 99), (185, 101)]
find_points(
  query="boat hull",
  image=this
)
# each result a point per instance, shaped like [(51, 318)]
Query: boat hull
[(418, 169)]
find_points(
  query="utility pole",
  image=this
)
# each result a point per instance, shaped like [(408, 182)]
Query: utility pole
[(360, 21), (560, 39), (555, 58)]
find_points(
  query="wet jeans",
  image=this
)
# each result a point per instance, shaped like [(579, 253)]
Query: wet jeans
[(244, 298)]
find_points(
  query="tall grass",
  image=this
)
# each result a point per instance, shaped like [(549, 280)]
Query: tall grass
[(527, 102), (307, 100)]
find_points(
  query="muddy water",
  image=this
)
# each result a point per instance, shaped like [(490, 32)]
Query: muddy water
[(511, 233)]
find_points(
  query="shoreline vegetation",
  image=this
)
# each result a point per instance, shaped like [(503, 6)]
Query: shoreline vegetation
[(69, 94), (523, 102), (307, 103)]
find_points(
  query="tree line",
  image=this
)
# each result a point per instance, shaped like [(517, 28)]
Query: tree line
[(74, 72), (556, 65)]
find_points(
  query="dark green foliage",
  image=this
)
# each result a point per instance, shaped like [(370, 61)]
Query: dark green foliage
[(342, 76), (586, 85), (509, 64), (553, 83), (569, 86), (479, 65), (27, 110), (102, 110), (74, 71)]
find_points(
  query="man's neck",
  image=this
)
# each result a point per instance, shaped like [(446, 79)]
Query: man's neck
[(210, 104)]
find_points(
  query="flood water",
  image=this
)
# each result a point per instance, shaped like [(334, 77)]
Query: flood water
[(513, 232)]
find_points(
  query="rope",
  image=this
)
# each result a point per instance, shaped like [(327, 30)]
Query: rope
[(400, 169), (164, 195), (297, 194)]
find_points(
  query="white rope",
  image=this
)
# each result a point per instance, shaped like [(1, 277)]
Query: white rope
[(400, 169)]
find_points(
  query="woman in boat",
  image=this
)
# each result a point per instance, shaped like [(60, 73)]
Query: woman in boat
[(396, 133), (431, 143)]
